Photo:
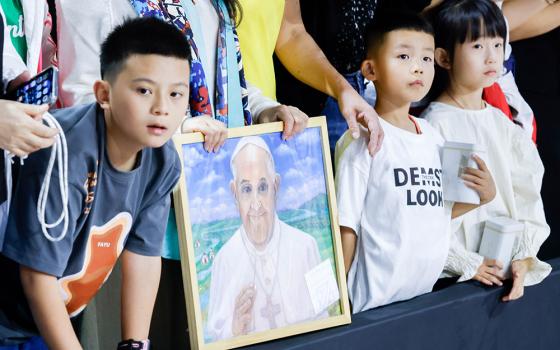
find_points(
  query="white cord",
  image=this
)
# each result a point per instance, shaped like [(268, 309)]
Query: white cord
[(59, 150)]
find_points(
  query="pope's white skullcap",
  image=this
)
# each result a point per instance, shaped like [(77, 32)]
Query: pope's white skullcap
[(250, 140)]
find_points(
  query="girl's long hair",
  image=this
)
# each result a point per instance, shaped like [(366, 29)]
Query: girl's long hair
[(458, 21)]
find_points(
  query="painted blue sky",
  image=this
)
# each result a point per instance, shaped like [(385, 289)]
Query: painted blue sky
[(299, 161)]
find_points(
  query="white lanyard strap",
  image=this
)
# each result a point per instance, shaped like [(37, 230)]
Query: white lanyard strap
[(59, 153)]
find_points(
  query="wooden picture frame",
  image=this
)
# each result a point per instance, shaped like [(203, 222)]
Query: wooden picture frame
[(305, 222)]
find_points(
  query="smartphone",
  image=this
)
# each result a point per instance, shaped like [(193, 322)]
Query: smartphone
[(41, 89)]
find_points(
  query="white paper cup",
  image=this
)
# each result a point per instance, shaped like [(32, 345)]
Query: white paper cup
[(499, 239), (456, 157)]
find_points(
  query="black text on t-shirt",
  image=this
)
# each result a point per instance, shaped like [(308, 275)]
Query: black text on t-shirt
[(429, 181)]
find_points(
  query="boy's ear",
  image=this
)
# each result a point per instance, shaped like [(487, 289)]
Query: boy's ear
[(368, 69), (442, 58), (101, 90)]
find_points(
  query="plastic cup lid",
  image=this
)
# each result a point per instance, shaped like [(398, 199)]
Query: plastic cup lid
[(462, 146), (504, 224)]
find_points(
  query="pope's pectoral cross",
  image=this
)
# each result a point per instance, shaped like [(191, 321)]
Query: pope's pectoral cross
[(270, 311)]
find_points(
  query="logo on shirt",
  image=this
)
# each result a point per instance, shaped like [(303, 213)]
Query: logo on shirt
[(16, 30), (89, 185), (424, 183), (104, 245)]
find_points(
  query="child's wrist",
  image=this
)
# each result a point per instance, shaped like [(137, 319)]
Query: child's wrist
[(134, 344)]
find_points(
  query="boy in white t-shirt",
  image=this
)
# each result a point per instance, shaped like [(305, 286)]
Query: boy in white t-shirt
[(394, 223)]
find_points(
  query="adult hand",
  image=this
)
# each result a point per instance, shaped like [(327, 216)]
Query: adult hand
[(243, 313), (489, 272), (214, 131), (295, 121), (356, 110), (480, 180), (519, 270), (20, 79), (21, 129)]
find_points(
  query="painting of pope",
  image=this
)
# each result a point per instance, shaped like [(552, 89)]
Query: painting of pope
[(258, 276)]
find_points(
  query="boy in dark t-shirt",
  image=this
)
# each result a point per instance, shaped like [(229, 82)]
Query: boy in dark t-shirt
[(121, 169)]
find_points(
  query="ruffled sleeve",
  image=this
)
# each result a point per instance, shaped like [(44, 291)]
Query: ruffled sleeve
[(527, 172), (460, 261)]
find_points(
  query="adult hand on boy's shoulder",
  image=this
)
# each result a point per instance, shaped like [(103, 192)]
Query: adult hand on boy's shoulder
[(21, 129), (519, 269), (295, 121), (480, 180), (214, 131), (356, 110)]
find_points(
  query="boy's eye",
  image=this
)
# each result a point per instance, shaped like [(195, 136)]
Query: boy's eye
[(403, 56), (176, 94), (498, 45), (428, 59), (477, 46), (143, 91)]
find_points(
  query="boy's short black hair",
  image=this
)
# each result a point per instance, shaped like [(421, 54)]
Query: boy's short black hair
[(143, 36), (458, 21), (391, 20)]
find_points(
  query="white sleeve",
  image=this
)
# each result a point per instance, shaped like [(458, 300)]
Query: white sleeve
[(352, 177), (258, 102), (13, 65), (220, 314), (82, 25), (527, 173), (460, 261)]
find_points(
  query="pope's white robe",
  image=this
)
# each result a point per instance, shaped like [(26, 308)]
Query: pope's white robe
[(233, 269)]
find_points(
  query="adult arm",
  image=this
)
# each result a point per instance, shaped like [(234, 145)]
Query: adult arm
[(432, 4), (299, 53), (540, 23), (140, 281), (519, 12), (48, 309), (266, 110)]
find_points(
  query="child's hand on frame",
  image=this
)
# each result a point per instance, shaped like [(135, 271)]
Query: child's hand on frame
[(214, 131), (519, 269), (489, 272), (480, 180)]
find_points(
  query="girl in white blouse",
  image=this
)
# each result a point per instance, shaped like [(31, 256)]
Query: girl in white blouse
[(470, 37)]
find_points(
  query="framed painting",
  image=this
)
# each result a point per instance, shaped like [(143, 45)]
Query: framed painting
[(259, 239)]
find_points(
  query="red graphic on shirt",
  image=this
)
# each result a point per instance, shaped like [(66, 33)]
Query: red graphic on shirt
[(103, 248)]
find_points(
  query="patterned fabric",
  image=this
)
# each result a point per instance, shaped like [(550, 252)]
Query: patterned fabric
[(350, 49), (173, 12), (244, 92)]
